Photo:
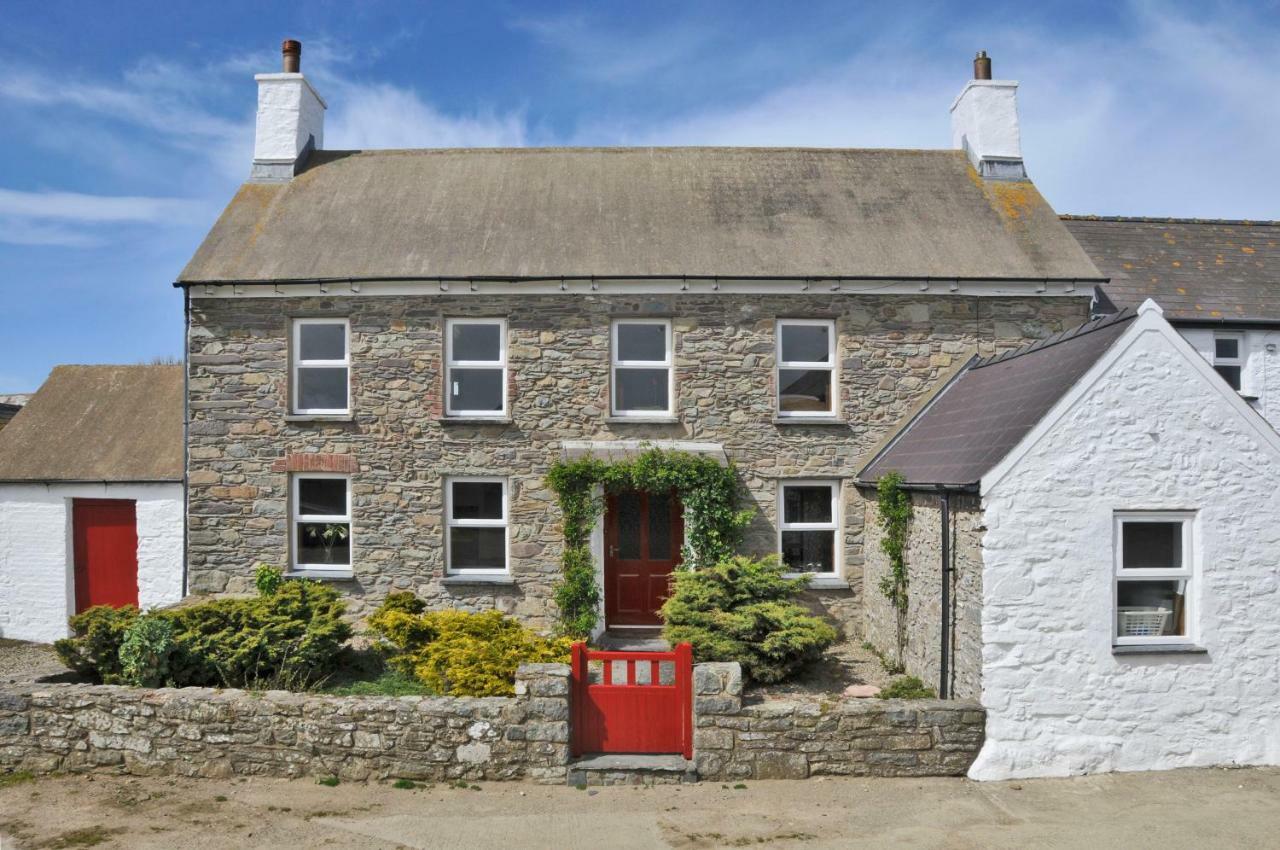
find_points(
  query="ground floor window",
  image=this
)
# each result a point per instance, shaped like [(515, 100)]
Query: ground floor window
[(476, 525), (1154, 575), (321, 505), (809, 526)]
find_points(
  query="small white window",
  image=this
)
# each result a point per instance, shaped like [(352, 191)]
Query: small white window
[(1228, 358), (806, 364), (1154, 576), (475, 367), (809, 527), (321, 366), (476, 520), (321, 504), (642, 368)]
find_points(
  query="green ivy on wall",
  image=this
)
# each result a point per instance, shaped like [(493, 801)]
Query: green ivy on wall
[(708, 491), (895, 511)]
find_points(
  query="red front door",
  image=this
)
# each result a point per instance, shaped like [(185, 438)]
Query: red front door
[(643, 535), (105, 536)]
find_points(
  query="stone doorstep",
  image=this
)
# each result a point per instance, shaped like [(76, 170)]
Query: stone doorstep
[(633, 640), (630, 769)]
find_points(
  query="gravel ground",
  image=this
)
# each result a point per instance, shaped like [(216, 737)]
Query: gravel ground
[(1162, 811), (846, 663), (22, 662)]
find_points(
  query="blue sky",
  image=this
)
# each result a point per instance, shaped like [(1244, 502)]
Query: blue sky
[(127, 126)]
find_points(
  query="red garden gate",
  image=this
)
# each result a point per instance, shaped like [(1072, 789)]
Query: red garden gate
[(641, 703)]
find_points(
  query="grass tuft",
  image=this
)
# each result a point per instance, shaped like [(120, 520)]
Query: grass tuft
[(329, 781)]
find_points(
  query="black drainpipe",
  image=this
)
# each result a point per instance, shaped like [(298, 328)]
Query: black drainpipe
[(186, 427), (943, 675)]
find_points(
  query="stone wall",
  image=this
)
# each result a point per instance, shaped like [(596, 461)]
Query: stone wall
[(891, 350), (851, 737), (203, 732), (923, 651)]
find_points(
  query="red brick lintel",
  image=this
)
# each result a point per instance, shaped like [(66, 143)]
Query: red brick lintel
[(313, 462)]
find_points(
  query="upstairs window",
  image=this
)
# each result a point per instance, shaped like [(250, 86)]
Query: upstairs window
[(476, 518), (321, 366), (1153, 578), (475, 367), (641, 368), (321, 522), (1228, 358), (806, 359), (809, 526)]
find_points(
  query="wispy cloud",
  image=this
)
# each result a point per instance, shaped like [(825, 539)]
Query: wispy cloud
[(75, 206), (385, 116), (614, 54)]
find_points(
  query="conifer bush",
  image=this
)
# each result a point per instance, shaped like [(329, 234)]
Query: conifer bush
[(744, 610), (458, 652)]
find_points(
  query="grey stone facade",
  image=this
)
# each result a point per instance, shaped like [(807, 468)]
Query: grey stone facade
[(892, 350), (203, 732), (922, 655), (795, 740)]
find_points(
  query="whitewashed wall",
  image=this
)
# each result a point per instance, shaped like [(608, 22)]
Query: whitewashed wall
[(1260, 377), (37, 589), (1156, 432)]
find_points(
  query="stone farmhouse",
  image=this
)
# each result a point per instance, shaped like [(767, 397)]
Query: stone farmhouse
[(388, 349)]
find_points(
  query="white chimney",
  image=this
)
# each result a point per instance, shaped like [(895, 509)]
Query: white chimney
[(290, 120), (984, 124)]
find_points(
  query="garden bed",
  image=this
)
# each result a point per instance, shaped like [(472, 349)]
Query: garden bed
[(843, 664)]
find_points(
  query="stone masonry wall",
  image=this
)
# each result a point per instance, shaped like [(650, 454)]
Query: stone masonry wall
[(891, 350), (922, 654), (204, 732), (851, 737)]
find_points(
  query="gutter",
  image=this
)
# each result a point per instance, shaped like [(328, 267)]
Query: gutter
[(565, 278)]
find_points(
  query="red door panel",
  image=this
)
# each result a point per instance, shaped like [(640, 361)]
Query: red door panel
[(643, 535), (105, 537)]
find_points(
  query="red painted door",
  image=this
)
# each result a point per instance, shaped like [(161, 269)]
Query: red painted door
[(643, 535), (105, 536)]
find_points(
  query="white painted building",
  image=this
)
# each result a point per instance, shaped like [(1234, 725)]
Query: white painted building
[(1130, 566), (91, 497)]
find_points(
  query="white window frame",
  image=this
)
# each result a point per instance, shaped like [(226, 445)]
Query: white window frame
[(1237, 361), (450, 364), (297, 518), (451, 523), (830, 366), (296, 363), (1188, 572), (668, 363), (836, 525)]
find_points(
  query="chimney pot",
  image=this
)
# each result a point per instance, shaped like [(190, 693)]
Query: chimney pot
[(292, 52), (982, 66)]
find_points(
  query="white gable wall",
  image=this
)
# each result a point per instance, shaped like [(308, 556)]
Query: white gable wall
[(1260, 378), (37, 589), (1154, 432)]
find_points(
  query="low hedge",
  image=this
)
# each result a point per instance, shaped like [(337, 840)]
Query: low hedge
[(288, 638), (458, 652)]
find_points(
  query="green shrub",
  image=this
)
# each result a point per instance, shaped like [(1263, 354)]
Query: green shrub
[(145, 652), (907, 687), (457, 652), (267, 579), (743, 610), (290, 639), (94, 650)]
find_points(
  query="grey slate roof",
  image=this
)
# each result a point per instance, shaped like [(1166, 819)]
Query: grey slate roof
[(989, 406), (1194, 269), (98, 423), (637, 212)]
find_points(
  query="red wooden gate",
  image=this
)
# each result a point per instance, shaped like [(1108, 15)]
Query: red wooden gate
[(642, 703)]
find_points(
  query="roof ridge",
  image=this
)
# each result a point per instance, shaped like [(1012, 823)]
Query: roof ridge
[(1143, 219), (1067, 335)]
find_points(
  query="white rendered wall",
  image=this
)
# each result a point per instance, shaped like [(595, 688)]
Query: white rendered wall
[(37, 589), (1260, 378), (1154, 433)]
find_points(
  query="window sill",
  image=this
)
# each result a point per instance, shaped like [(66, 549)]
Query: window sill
[(809, 420), (817, 582), (1158, 649), (474, 420), (320, 417), (642, 420), (463, 580), (323, 575)]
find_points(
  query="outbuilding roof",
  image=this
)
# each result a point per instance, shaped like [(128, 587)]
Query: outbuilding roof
[(638, 212), (983, 412), (1194, 269), (98, 423)]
